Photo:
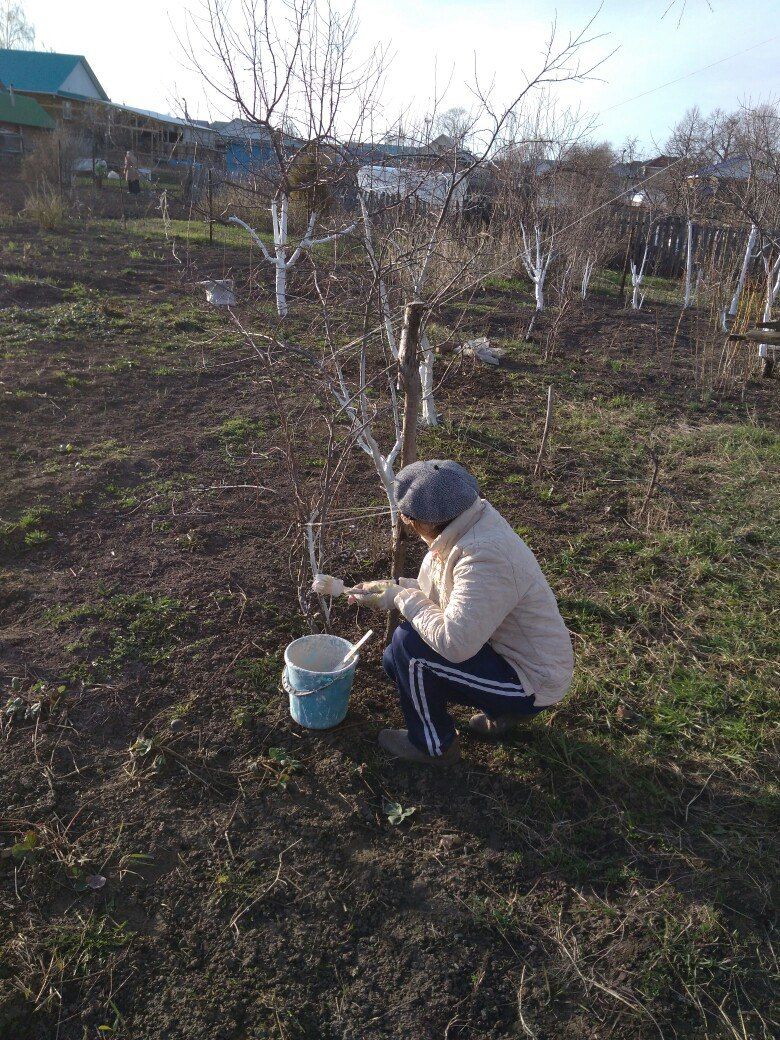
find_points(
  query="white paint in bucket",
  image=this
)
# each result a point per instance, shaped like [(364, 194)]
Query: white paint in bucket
[(320, 653)]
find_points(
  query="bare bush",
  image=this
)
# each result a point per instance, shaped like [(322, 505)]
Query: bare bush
[(52, 164), (47, 208)]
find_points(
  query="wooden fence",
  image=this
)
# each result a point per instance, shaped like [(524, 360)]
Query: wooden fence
[(714, 245)]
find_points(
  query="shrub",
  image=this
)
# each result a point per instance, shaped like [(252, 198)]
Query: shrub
[(53, 161), (47, 208)]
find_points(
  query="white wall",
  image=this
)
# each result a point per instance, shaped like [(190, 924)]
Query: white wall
[(80, 82)]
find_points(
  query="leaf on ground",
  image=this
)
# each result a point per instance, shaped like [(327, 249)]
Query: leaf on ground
[(396, 813)]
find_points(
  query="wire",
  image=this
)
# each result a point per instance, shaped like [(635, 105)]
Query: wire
[(695, 72), (616, 198)]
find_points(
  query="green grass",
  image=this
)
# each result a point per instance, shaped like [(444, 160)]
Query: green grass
[(124, 629), (28, 531), (194, 231), (676, 650), (237, 434), (656, 289)]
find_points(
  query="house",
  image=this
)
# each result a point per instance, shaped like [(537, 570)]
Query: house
[(22, 122), (640, 181), (247, 148), (395, 169), (155, 137), (63, 84), (67, 89), (437, 155)]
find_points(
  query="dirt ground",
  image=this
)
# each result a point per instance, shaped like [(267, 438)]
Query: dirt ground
[(179, 861)]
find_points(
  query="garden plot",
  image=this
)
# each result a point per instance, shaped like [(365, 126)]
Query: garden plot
[(177, 859)]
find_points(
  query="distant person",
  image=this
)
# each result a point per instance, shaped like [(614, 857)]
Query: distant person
[(482, 625), (132, 174)]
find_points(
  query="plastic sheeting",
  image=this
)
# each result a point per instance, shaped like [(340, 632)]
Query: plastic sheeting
[(220, 291), (401, 182)]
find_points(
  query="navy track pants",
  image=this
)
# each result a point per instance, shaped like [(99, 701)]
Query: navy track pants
[(427, 682)]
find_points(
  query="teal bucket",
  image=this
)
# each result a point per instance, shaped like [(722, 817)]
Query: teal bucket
[(319, 696)]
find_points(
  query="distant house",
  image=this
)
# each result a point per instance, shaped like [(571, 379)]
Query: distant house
[(736, 168), (732, 174), (247, 148), (438, 155), (67, 89), (396, 170), (640, 181), (157, 135), (22, 122), (63, 84)]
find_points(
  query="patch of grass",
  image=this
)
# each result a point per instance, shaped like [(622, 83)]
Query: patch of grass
[(262, 673), (134, 628), (28, 530), (516, 286), (237, 434), (75, 951), (124, 497), (657, 290), (195, 231)]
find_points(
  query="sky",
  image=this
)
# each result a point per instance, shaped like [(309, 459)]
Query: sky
[(133, 49)]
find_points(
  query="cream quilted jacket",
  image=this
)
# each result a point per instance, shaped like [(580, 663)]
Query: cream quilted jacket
[(481, 583)]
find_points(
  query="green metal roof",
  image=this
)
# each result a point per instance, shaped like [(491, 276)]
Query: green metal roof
[(42, 73), (23, 111)]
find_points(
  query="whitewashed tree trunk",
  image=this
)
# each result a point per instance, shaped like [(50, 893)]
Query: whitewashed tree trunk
[(587, 271), (429, 416), (637, 277), (729, 317), (772, 286), (537, 264), (428, 406), (283, 259), (766, 351), (688, 298)]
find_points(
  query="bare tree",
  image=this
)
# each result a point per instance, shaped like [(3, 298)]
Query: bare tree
[(750, 187), (433, 248), (296, 70), (16, 32), (288, 71), (678, 185), (638, 273), (538, 202)]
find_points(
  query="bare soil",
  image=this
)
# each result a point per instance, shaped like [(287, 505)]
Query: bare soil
[(179, 861)]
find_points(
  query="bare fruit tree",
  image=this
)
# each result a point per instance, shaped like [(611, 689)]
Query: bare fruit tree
[(543, 212), (290, 77), (750, 187), (288, 74)]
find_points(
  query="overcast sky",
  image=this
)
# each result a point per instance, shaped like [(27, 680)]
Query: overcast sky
[(133, 50)]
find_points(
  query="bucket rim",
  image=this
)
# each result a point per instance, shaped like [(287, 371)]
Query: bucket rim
[(347, 647)]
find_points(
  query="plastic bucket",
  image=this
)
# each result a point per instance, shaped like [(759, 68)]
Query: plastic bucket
[(319, 696)]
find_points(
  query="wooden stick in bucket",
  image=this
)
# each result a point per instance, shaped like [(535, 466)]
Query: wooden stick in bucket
[(353, 652)]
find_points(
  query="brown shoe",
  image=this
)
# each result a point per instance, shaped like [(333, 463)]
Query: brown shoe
[(397, 743), (480, 725)]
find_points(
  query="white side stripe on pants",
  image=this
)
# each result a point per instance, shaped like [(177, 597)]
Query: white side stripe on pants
[(421, 706), (476, 682)]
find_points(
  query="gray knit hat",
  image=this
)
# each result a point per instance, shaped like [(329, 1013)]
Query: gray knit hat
[(435, 491)]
